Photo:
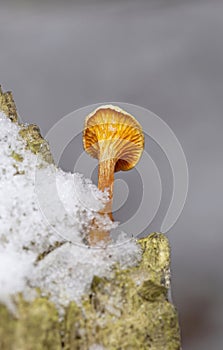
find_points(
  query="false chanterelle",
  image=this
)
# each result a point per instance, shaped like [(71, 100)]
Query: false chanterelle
[(116, 139)]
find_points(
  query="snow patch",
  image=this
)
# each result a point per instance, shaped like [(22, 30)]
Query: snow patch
[(42, 210)]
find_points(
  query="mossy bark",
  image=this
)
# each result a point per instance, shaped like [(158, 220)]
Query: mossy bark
[(128, 311)]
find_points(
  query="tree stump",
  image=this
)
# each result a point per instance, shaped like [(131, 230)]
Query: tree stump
[(129, 310)]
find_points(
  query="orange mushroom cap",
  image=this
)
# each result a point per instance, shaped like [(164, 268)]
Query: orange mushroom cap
[(110, 132)]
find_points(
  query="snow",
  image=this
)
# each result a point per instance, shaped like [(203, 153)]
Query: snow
[(96, 347), (14, 266), (44, 209)]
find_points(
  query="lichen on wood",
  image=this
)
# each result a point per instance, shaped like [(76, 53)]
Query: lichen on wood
[(35, 142), (7, 105), (128, 311)]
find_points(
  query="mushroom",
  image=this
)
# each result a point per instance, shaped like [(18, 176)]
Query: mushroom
[(115, 138)]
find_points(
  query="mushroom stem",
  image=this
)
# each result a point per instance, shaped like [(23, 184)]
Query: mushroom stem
[(106, 169), (116, 139)]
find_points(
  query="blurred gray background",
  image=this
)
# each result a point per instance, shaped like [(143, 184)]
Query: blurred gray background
[(166, 56)]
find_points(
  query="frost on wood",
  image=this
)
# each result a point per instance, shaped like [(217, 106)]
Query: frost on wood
[(58, 295)]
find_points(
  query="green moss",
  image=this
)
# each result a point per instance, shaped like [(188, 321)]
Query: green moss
[(17, 156), (128, 311), (7, 105), (31, 133), (38, 326), (35, 142), (7, 329), (73, 325), (156, 258), (152, 292)]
